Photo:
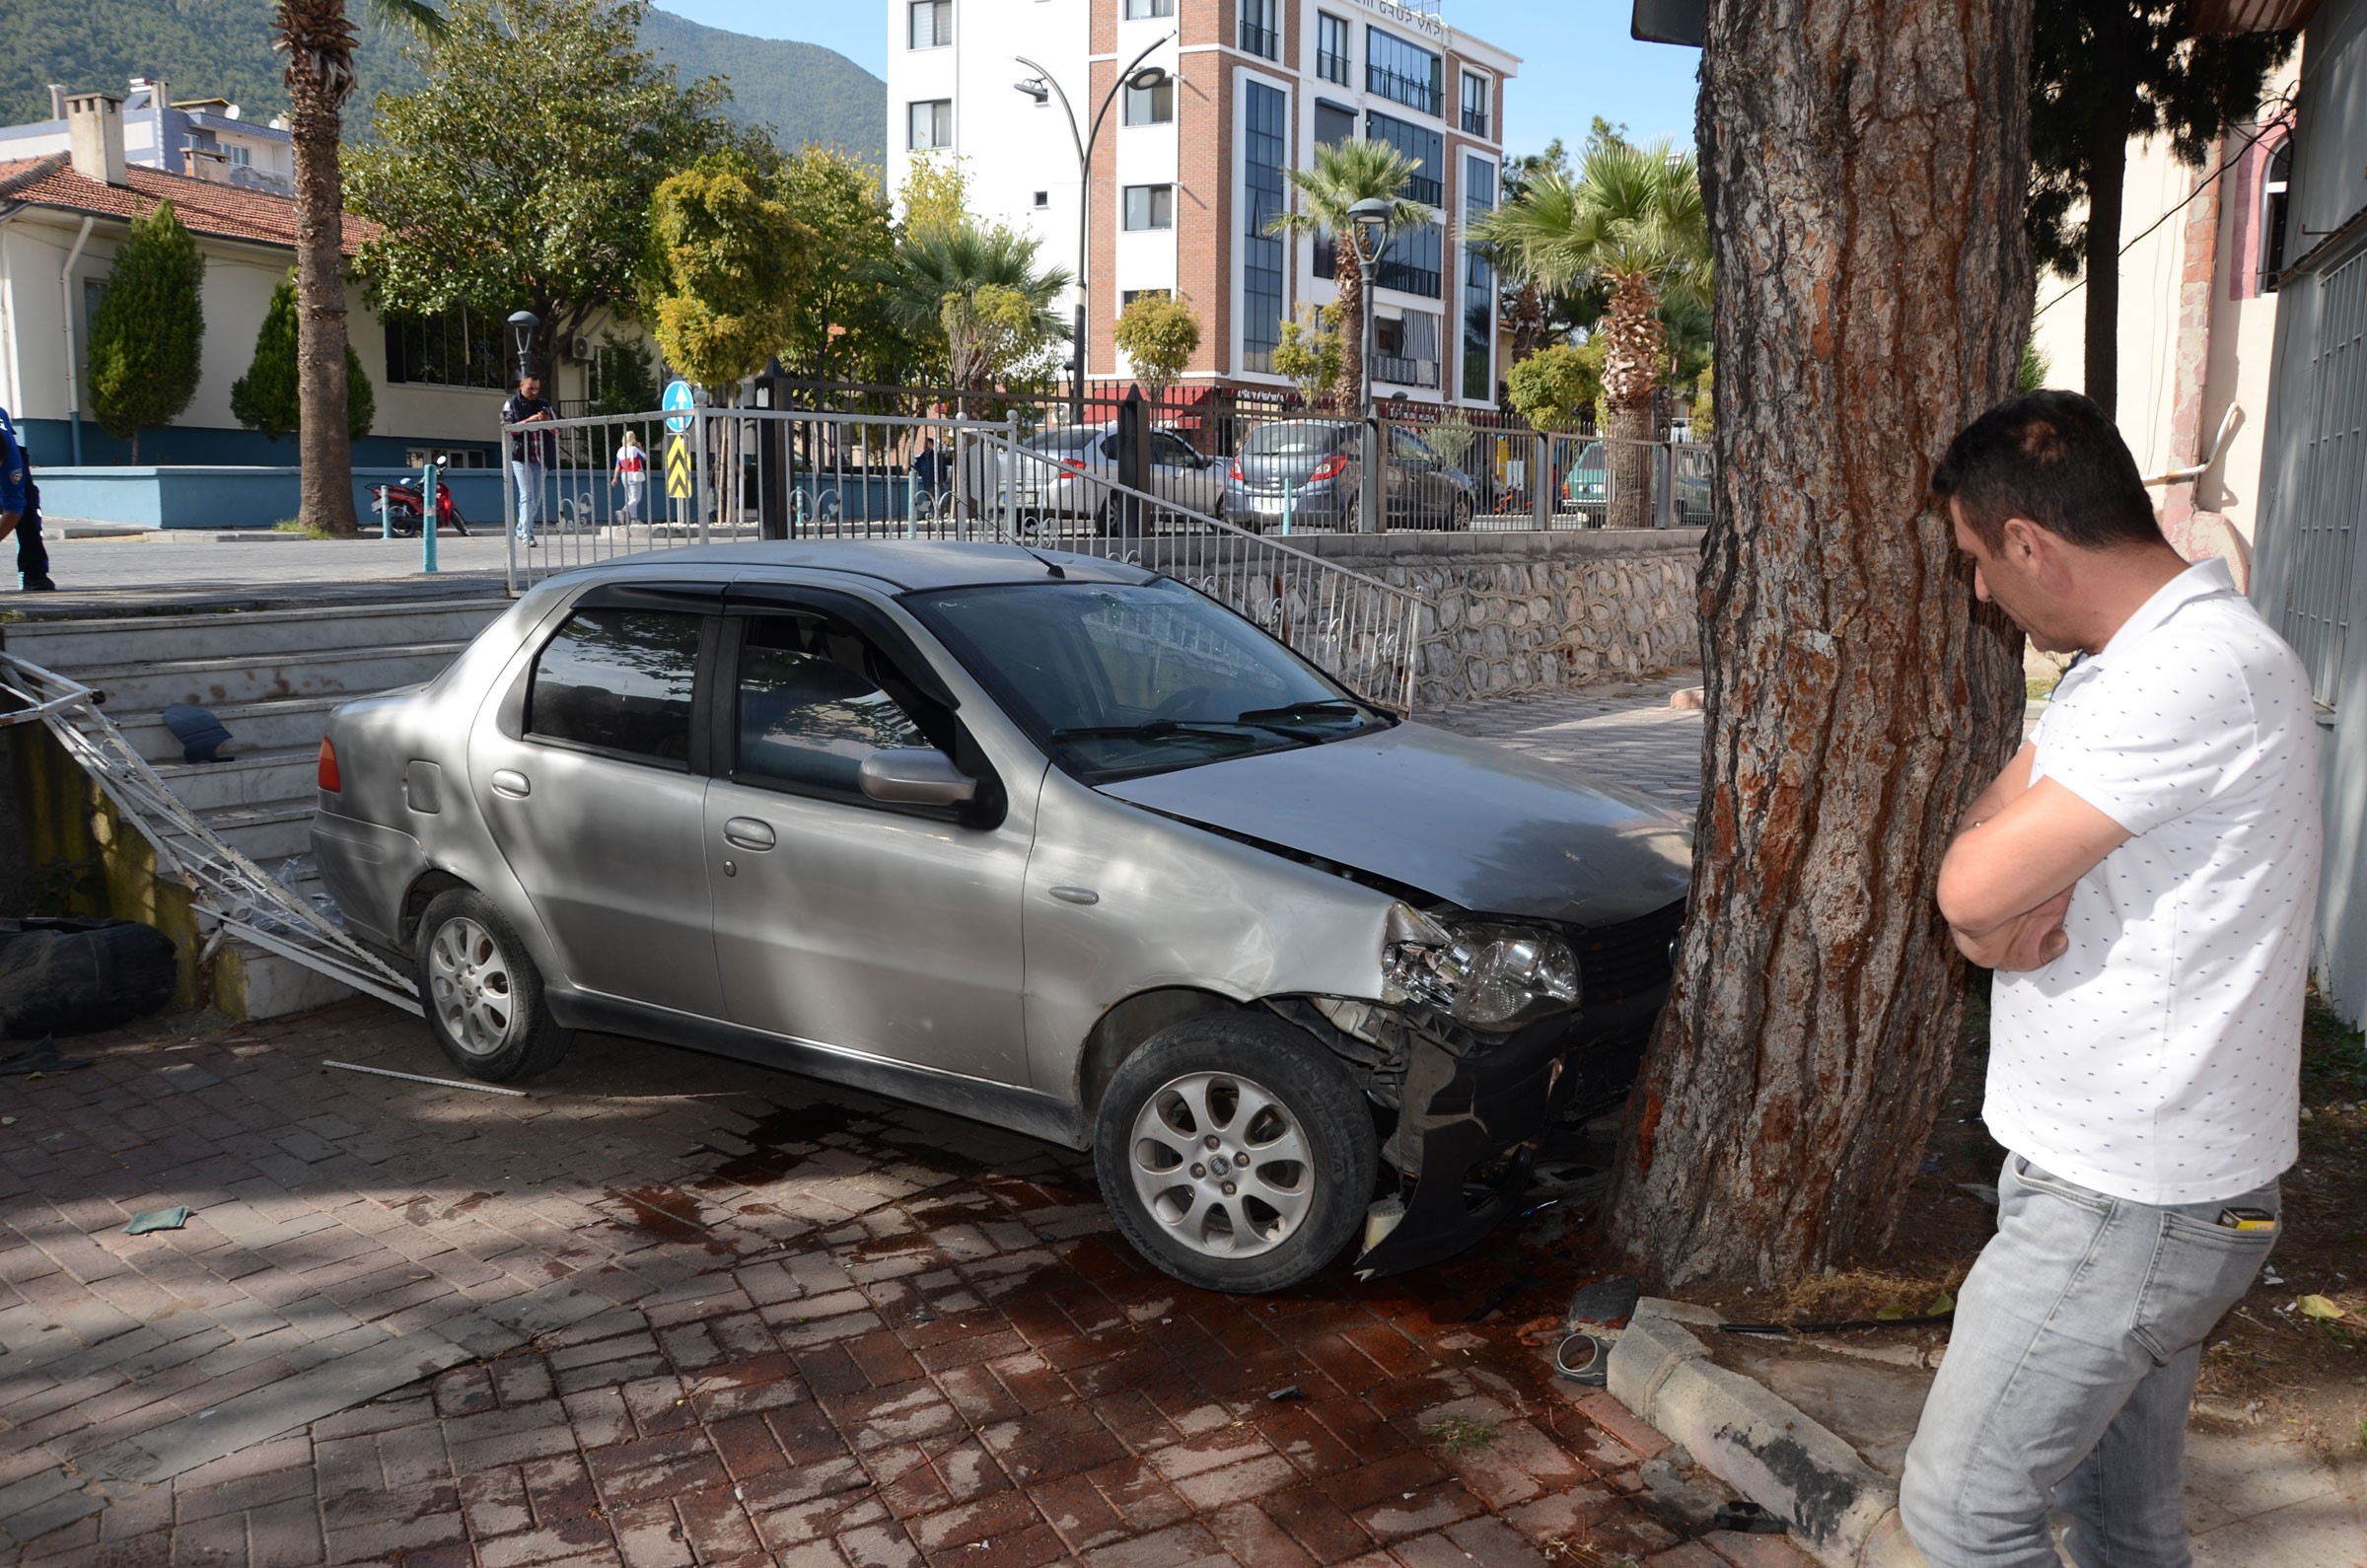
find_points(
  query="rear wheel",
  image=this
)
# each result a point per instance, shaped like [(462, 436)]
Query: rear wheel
[(1236, 1153), (481, 992)]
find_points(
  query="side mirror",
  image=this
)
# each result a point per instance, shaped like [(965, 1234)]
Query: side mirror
[(914, 775)]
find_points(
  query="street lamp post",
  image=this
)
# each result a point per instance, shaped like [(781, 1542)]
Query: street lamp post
[(523, 325), (1368, 231), (1042, 88)]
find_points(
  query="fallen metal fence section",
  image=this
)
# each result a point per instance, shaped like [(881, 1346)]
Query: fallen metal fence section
[(239, 896)]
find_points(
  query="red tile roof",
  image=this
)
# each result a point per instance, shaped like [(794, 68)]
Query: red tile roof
[(224, 211)]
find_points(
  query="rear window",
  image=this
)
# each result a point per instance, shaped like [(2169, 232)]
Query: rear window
[(619, 681), (1293, 440)]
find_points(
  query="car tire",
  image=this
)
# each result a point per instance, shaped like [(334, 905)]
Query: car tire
[(1460, 517), (1191, 1082), (481, 993)]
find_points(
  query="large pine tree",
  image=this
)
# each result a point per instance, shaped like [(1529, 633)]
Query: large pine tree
[(148, 331)]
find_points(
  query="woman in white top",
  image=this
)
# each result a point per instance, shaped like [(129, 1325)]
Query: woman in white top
[(632, 472)]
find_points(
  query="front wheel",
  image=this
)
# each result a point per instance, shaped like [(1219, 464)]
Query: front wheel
[(481, 992), (1236, 1153)]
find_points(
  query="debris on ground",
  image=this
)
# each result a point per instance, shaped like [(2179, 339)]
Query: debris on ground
[(171, 1219)]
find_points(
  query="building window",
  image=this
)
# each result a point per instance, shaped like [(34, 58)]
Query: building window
[(2334, 456), (1405, 350), (2275, 178), (1334, 124), (1259, 31), (1477, 94), (1129, 296), (1044, 198), (1411, 261), (1427, 149), (457, 348), (1150, 206), (1137, 10), (932, 124), (1478, 287), (1150, 105), (1403, 72), (1265, 153), (1331, 47), (932, 23)]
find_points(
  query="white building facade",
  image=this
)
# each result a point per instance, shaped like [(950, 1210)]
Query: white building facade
[(1186, 176), (206, 138)]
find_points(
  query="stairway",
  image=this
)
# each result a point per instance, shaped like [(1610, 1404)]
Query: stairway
[(271, 674)]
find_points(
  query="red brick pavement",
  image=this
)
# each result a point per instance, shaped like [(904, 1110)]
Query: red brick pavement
[(823, 1331)]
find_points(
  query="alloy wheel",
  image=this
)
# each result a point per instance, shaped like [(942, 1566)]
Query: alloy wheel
[(1221, 1164), (469, 986)]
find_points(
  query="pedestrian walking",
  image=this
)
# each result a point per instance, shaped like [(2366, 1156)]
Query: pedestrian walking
[(20, 510), (2142, 879), (531, 452), (632, 472)]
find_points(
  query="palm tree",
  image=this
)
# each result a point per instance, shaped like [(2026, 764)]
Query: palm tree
[(976, 291), (1631, 216), (1345, 173), (318, 40)]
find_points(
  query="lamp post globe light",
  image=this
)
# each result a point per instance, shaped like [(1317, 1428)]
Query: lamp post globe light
[(1369, 224), (523, 325), (1042, 87)]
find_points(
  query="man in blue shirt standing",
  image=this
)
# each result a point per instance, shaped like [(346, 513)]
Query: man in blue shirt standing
[(531, 452), (20, 510)]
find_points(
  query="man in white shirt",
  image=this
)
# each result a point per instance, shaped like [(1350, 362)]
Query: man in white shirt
[(2142, 879)]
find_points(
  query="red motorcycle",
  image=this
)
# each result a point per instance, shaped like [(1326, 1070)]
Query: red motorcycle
[(402, 506)]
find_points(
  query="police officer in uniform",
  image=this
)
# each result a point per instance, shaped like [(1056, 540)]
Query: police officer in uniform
[(20, 510)]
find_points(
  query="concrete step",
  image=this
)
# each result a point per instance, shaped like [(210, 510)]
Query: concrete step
[(291, 724), (229, 679), (256, 779), (258, 635), (266, 832)]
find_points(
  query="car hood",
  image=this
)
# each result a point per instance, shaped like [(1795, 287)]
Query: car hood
[(1472, 823)]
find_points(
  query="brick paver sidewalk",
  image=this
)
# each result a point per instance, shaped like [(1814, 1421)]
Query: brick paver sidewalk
[(1622, 733)]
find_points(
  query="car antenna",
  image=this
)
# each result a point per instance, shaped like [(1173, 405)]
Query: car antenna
[(1049, 564)]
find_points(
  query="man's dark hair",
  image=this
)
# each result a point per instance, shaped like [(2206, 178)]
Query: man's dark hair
[(2054, 459)]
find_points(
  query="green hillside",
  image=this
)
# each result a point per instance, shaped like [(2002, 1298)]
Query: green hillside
[(206, 48)]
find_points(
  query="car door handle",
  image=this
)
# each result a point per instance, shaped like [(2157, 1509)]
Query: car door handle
[(745, 832), (1076, 895), (509, 781)]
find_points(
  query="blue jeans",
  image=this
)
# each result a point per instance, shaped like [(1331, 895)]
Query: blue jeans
[(2069, 1375), (529, 476)]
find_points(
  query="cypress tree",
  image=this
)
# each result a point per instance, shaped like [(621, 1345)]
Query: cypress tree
[(146, 335), (265, 398)]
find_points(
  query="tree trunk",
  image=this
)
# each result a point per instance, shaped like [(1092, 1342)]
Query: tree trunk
[(1630, 370), (1350, 278), (2108, 175), (324, 443), (1864, 169)]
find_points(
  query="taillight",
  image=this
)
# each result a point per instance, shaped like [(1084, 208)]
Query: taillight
[(1072, 465), (1238, 478), (328, 768), (1331, 468)]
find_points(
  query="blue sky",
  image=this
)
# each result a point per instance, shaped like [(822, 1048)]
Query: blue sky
[(1580, 61)]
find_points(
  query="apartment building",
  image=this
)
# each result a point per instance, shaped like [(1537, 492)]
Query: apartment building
[(201, 138), (1187, 175)]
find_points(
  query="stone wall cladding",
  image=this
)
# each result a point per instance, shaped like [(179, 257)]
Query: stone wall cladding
[(1516, 615)]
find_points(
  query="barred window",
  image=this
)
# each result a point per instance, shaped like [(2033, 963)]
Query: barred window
[(455, 348)]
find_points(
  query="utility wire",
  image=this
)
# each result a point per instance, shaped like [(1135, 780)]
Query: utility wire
[(2283, 104)]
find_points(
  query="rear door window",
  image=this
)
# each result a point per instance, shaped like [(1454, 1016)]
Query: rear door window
[(619, 681)]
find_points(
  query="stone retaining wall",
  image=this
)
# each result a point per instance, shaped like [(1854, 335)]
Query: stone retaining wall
[(1521, 613)]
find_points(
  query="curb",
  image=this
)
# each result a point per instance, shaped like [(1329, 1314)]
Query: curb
[(1840, 1510)]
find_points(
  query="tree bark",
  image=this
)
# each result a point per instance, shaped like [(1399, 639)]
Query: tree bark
[(324, 443), (1864, 165), (2108, 175), (1348, 273), (1630, 370)]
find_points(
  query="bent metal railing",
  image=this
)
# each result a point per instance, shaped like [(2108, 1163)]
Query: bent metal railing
[(233, 895), (745, 475)]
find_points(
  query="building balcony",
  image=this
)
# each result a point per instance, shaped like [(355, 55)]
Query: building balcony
[(1389, 274), (1266, 42), (1395, 371)]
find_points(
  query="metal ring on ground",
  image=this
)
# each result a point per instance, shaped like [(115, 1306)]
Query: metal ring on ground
[(1594, 1370)]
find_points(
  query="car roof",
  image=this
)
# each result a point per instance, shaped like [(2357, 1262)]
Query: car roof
[(900, 565)]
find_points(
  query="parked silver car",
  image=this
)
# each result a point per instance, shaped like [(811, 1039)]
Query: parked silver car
[(1073, 472), (1041, 839)]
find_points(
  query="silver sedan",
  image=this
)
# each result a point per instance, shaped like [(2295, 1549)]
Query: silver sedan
[(1044, 840)]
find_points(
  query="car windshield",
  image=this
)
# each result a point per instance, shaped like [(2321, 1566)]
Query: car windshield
[(1295, 439), (1120, 679)]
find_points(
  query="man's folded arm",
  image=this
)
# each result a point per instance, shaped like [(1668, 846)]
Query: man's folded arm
[(2027, 852)]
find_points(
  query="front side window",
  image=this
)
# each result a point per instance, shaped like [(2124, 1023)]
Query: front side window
[(619, 681), (1115, 681), (932, 23), (1260, 31), (932, 124), (1150, 105), (808, 708), (1150, 206), (1331, 48), (1402, 71)]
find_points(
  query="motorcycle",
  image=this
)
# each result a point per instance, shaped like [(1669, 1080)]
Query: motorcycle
[(403, 506)]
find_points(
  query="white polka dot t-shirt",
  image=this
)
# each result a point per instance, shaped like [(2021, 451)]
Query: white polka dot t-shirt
[(2159, 1060)]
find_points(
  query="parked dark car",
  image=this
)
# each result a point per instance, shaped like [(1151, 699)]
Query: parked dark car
[(1317, 463)]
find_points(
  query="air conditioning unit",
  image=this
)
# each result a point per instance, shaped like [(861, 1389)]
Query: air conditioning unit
[(579, 349)]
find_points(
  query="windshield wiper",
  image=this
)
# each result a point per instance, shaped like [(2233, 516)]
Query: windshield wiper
[(1160, 729), (1319, 707)]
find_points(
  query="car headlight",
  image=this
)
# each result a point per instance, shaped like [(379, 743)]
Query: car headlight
[(1487, 976)]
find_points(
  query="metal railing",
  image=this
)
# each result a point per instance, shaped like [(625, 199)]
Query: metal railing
[(802, 475)]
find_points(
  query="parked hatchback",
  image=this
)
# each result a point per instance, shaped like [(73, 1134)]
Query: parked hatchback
[(1048, 841)]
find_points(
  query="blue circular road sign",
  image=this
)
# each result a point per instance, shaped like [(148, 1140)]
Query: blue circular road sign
[(677, 405)]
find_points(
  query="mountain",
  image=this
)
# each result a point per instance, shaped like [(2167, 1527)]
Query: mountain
[(205, 48)]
